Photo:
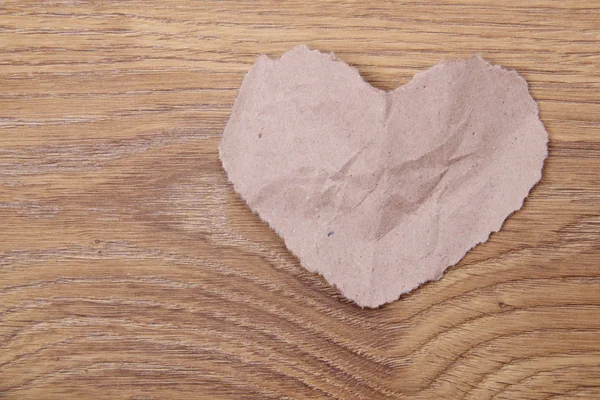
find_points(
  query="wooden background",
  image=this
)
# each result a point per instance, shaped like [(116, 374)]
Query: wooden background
[(130, 269)]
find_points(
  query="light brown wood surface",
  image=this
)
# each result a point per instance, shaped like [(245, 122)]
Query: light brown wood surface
[(130, 269)]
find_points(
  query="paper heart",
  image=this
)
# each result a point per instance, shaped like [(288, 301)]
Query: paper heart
[(382, 191)]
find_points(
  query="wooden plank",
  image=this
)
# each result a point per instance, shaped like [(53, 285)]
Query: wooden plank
[(130, 269)]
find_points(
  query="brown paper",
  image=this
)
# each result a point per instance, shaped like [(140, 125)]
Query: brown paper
[(382, 191)]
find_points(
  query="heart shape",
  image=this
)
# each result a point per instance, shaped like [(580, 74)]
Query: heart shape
[(382, 191)]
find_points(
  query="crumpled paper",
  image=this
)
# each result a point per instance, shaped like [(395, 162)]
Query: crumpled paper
[(382, 191)]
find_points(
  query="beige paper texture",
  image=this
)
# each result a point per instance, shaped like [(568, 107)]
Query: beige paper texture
[(382, 191)]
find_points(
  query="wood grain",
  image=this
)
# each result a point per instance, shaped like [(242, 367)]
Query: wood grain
[(130, 269)]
